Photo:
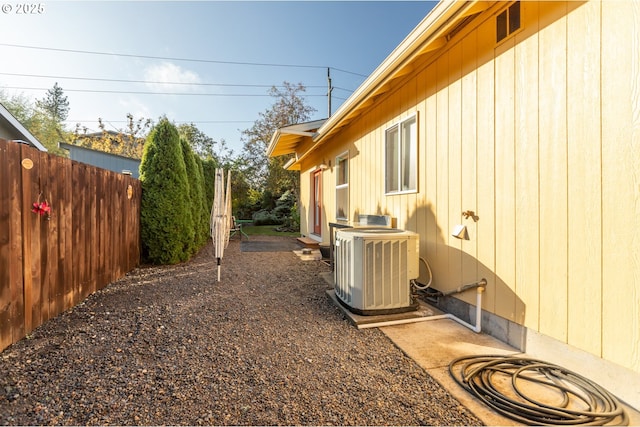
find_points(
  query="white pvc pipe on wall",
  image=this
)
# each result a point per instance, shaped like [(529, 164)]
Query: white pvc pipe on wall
[(475, 328)]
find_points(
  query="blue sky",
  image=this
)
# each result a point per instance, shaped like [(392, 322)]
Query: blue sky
[(236, 51)]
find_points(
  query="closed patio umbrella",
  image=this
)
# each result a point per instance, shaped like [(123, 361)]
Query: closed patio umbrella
[(220, 216)]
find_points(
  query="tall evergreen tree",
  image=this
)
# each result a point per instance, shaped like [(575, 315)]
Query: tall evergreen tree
[(55, 104), (195, 196), (203, 233), (165, 205)]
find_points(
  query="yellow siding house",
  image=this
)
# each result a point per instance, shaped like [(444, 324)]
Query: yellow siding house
[(526, 113)]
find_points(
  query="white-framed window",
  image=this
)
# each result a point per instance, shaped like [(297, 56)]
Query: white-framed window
[(342, 186), (401, 157)]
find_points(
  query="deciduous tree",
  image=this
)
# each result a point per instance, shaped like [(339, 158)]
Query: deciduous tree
[(203, 145), (36, 121), (128, 141), (267, 174)]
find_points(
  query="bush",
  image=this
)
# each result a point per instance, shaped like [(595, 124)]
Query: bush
[(205, 210), (284, 204), (292, 222), (264, 217), (197, 198), (165, 226)]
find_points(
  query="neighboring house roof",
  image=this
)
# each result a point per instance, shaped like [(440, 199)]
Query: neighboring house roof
[(101, 159), (431, 34), (12, 129), (101, 134)]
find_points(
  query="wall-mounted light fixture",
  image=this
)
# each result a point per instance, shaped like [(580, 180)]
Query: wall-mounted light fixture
[(460, 232)]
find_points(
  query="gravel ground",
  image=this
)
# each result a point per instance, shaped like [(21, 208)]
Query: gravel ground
[(171, 346)]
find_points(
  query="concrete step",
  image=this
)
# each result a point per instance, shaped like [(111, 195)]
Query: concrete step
[(309, 242)]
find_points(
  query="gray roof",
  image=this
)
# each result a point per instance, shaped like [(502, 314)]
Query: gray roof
[(102, 159), (17, 132)]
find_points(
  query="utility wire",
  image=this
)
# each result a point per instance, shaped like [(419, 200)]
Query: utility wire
[(168, 58), (222, 122), (153, 93), (98, 79)]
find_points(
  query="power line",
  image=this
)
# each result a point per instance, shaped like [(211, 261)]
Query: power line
[(98, 79), (218, 122), (165, 58), (168, 58), (129, 92)]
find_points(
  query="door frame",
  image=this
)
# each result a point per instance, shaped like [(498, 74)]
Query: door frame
[(316, 201)]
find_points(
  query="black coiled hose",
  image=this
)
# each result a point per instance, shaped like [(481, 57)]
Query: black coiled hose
[(582, 401)]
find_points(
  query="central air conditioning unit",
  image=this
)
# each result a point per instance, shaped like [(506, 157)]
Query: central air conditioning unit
[(374, 268)]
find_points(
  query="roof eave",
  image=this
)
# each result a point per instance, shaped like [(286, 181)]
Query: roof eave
[(21, 129), (429, 35), (285, 139)]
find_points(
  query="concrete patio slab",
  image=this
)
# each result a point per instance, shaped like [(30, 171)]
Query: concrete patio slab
[(434, 344)]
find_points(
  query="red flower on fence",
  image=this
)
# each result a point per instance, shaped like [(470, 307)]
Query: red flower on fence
[(42, 208)]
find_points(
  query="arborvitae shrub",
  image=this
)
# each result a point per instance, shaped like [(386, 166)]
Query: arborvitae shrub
[(196, 189), (205, 212), (209, 169), (165, 205)]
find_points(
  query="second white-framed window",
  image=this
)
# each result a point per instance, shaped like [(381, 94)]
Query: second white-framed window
[(401, 157), (342, 186)]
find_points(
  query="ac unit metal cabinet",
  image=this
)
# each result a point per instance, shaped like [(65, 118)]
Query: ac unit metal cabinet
[(374, 268)]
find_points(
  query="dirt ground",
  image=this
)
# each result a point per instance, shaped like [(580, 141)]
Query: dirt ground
[(172, 346)]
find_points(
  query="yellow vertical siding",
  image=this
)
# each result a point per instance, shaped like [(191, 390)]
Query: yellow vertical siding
[(454, 155), (540, 136), (358, 187), (584, 270), (469, 155), (431, 230), (409, 107), (376, 168), (552, 83), (423, 222), (486, 226), (621, 182), (505, 178), (441, 260), (527, 226)]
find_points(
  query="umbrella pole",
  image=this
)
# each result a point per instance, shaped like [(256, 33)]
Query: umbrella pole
[(218, 269)]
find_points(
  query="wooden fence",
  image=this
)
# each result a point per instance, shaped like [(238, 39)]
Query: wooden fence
[(51, 262)]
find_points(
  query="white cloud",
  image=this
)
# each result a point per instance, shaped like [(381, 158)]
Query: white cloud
[(169, 77), (135, 107)]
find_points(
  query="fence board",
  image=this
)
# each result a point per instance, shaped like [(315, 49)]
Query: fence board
[(57, 284), (66, 249), (16, 281), (48, 265), (44, 236), (5, 252), (26, 243)]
